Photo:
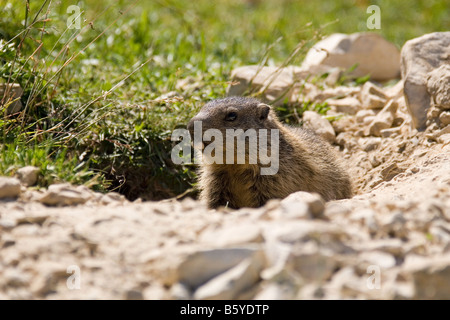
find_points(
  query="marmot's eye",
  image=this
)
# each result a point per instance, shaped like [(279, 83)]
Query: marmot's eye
[(231, 116)]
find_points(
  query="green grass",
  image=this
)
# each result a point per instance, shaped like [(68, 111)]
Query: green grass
[(95, 108)]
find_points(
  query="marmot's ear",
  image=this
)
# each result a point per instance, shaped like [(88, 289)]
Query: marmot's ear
[(263, 111)]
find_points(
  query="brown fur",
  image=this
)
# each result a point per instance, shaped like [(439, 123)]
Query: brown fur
[(306, 162)]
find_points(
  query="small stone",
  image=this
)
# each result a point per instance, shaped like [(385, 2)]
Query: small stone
[(419, 57), (275, 291), (202, 266), (9, 187), (381, 259), (444, 117), (433, 112), (431, 276), (396, 91), (180, 291), (49, 274), (315, 202), (362, 114), (65, 195), (372, 97), (155, 292), (344, 124), (395, 225), (292, 210), (366, 217), (444, 139), (391, 132), (28, 175), (383, 120)]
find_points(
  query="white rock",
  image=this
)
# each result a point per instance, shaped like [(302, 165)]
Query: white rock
[(180, 291), (383, 120), (314, 201), (373, 54), (438, 85), (112, 197), (14, 92), (419, 57), (321, 126), (231, 283), (396, 91), (444, 139), (28, 175), (9, 187), (292, 210), (348, 105), (202, 266), (383, 260), (275, 291)]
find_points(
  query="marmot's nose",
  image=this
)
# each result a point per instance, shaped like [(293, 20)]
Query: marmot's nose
[(197, 118), (190, 125)]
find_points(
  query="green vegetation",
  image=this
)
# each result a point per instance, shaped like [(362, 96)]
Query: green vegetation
[(100, 102)]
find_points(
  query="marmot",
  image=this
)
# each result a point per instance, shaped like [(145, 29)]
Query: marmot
[(306, 162)]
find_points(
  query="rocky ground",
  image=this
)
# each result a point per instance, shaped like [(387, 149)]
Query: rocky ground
[(390, 241)]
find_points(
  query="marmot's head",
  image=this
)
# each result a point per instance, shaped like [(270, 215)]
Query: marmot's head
[(235, 113)]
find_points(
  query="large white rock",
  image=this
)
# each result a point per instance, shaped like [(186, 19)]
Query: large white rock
[(374, 54), (420, 56)]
